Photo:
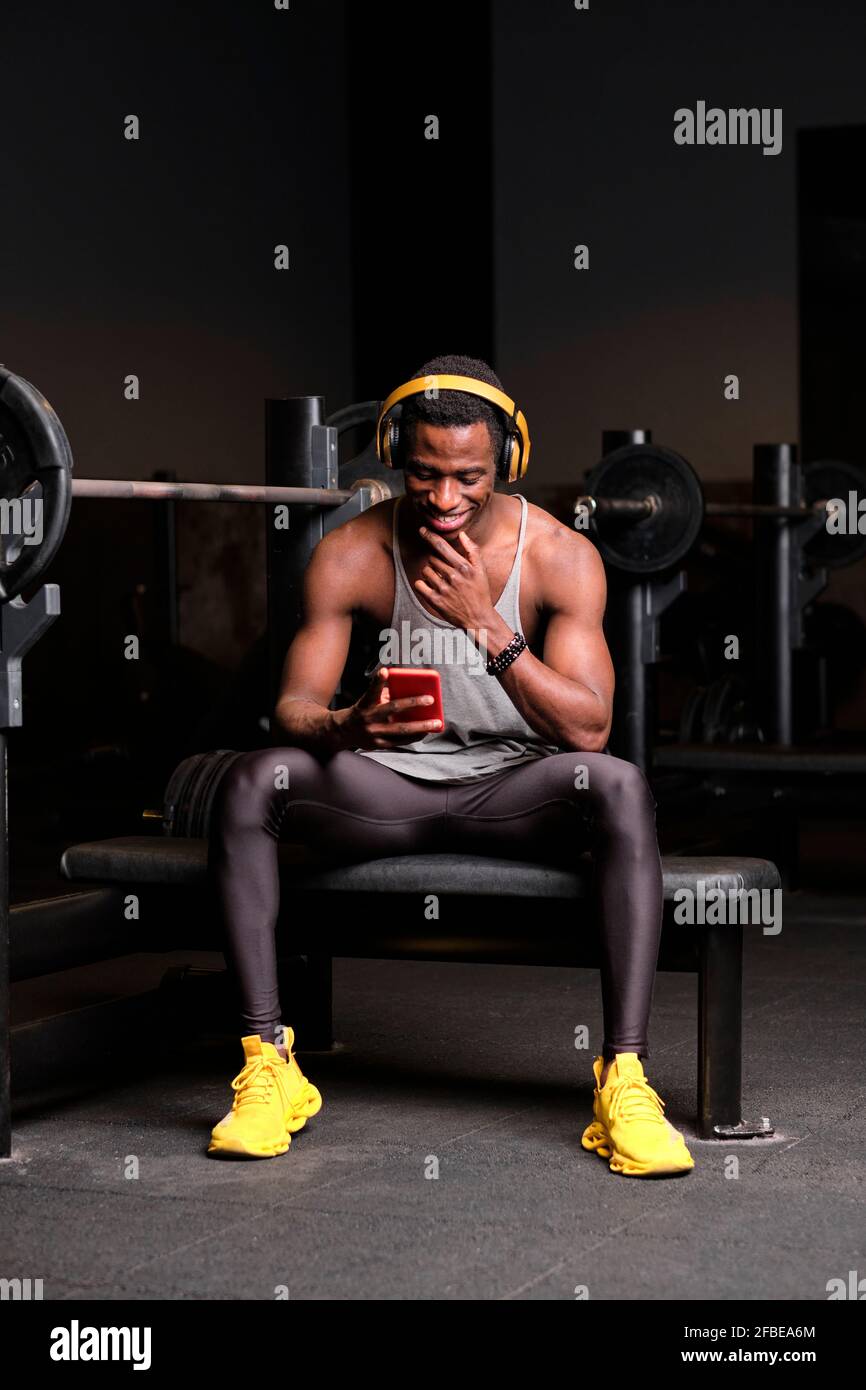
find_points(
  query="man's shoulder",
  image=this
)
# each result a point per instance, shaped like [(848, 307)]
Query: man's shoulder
[(554, 547)]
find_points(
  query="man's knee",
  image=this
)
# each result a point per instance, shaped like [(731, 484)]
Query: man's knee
[(619, 789), (625, 779), (256, 778)]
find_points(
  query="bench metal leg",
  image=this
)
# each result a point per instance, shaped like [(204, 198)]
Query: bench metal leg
[(720, 1037)]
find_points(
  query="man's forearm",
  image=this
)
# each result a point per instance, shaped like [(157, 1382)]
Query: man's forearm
[(562, 710), (307, 724)]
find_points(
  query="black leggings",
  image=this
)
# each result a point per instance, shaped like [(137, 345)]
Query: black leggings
[(352, 808)]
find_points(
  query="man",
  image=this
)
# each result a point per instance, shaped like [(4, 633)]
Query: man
[(520, 768)]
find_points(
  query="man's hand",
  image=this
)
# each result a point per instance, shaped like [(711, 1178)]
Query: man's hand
[(456, 583), (368, 724)]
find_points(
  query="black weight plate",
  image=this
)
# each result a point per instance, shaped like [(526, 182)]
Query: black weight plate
[(657, 542), (359, 413), (835, 478), (175, 799), (690, 718), (35, 462), (720, 712), (219, 766), (191, 790), (197, 797), (719, 705), (366, 464)]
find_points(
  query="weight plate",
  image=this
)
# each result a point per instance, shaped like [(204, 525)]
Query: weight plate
[(720, 712), (35, 464), (718, 709), (690, 718), (835, 478), (191, 791), (366, 464), (657, 542)]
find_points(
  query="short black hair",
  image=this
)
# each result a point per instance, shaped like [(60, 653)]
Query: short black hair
[(453, 408)]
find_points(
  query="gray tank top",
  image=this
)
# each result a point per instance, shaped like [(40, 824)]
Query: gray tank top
[(484, 732)]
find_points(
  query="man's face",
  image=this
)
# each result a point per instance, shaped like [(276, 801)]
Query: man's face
[(449, 474)]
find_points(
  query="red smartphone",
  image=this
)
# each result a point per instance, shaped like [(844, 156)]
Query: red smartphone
[(404, 681)]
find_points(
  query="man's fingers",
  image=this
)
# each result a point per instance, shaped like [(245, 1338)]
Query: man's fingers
[(435, 576), (428, 592), (441, 546), (409, 727), (406, 702), (468, 543)]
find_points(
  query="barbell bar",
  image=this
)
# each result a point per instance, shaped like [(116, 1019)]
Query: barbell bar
[(133, 490), (636, 508)]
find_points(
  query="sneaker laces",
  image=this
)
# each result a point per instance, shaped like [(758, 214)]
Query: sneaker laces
[(636, 1100), (255, 1082)]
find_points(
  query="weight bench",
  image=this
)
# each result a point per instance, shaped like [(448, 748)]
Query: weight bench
[(169, 877)]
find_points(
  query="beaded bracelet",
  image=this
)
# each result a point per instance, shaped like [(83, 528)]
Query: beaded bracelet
[(496, 664)]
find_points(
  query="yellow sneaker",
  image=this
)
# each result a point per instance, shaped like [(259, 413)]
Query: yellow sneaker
[(629, 1127), (273, 1100)]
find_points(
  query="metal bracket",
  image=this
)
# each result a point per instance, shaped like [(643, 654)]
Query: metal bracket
[(21, 625), (325, 456), (658, 595), (755, 1129)]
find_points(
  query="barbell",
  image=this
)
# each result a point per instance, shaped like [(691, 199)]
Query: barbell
[(646, 506), (152, 491), (648, 500), (36, 469)]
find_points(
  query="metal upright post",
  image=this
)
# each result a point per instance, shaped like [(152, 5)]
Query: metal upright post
[(21, 624), (776, 481), (5, 991), (300, 452)]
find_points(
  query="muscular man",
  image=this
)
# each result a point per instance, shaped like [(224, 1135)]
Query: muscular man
[(519, 770)]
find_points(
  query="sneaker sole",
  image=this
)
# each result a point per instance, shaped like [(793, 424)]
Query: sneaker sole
[(596, 1139), (294, 1121), (226, 1149)]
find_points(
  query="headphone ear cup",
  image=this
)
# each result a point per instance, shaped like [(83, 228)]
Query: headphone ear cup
[(394, 443), (521, 466), (384, 444), (512, 458), (504, 470), (522, 457)]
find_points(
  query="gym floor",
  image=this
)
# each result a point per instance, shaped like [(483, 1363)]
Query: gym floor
[(110, 1193)]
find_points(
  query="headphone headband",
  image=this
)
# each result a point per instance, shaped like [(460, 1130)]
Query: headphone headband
[(515, 455)]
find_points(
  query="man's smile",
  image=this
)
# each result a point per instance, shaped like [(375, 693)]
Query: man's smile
[(451, 522)]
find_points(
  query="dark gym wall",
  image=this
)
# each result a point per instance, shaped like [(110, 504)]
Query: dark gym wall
[(155, 256), (422, 218), (693, 251), (832, 208)]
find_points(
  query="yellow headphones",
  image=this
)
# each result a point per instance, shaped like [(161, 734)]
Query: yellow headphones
[(514, 459)]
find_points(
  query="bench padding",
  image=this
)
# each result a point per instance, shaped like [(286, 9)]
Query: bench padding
[(151, 859)]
